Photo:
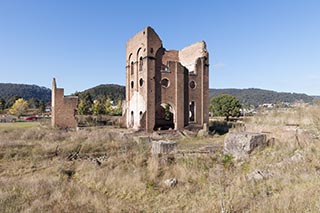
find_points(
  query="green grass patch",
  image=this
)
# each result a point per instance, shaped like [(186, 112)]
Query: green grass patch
[(18, 125)]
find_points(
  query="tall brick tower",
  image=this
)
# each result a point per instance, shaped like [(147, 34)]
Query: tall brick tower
[(165, 89)]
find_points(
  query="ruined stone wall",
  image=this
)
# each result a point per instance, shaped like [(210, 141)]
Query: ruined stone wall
[(141, 49), (189, 55), (156, 77), (63, 108), (171, 55), (195, 59)]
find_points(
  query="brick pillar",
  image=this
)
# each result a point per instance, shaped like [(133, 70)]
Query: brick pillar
[(150, 81), (179, 96), (205, 91)]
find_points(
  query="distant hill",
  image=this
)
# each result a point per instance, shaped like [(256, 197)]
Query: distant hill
[(259, 96), (117, 92), (246, 96), (316, 97), (113, 91), (8, 90)]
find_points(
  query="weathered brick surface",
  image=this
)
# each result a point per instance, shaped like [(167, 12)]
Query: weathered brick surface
[(163, 147), (241, 144), (147, 65), (63, 108)]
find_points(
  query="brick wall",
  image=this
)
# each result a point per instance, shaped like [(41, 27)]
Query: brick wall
[(146, 92), (63, 108)]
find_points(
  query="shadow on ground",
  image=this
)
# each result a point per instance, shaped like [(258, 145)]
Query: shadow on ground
[(220, 127)]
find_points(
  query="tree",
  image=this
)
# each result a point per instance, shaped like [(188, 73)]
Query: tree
[(225, 105), (33, 103), (167, 113), (81, 107), (118, 109), (42, 106), (84, 106), (97, 107), (2, 104), (108, 106), (19, 107), (11, 101)]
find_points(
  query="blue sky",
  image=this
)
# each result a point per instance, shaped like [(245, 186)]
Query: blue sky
[(268, 44)]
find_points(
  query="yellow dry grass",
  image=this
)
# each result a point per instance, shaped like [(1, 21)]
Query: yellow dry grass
[(35, 175)]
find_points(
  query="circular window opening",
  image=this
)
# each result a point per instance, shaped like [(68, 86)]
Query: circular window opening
[(192, 84), (141, 82), (165, 82), (132, 84)]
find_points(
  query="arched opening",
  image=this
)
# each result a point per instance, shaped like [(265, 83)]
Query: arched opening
[(141, 82), (192, 84), (132, 68), (129, 63), (164, 117), (164, 68), (140, 64), (192, 107), (165, 82), (132, 119)]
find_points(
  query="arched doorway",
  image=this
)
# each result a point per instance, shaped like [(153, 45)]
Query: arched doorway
[(164, 117)]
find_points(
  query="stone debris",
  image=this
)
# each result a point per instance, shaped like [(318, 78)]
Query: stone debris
[(259, 175), (163, 147), (202, 133), (295, 158), (171, 182), (241, 144), (142, 139), (97, 160), (156, 136), (210, 148)]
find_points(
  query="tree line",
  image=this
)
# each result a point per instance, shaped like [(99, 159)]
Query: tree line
[(18, 106), (107, 99), (103, 99), (98, 105), (32, 103), (256, 97), (249, 97)]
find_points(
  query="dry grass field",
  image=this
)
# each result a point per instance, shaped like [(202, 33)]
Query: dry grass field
[(108, 170)]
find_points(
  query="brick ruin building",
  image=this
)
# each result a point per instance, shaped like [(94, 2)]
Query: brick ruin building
[(165, 88), (63, 108)]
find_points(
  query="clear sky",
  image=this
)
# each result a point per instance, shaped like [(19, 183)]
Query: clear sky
[(268, 44)]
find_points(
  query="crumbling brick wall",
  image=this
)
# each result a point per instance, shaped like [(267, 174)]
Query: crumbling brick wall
[(157, 78), (63, 108)]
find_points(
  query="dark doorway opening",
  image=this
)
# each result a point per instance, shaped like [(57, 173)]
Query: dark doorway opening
[(192, 107), (164, 117)]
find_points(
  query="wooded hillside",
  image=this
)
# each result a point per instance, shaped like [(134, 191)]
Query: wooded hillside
[(25, 91), (117, 92), (256, 97), (111, 91)]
